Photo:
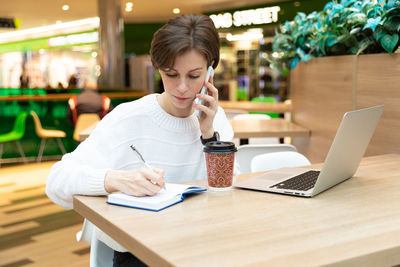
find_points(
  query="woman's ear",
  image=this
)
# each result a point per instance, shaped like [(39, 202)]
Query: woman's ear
[(212, 63)]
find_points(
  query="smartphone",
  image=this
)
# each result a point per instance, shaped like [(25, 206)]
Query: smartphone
[(210, 73)]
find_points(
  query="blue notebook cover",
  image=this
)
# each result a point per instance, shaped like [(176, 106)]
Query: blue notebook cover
[(172, 194)]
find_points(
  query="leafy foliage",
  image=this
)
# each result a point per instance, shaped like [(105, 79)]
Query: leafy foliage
[(344, 27)]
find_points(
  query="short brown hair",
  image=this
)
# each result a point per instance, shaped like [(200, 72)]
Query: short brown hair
[(182, 34)]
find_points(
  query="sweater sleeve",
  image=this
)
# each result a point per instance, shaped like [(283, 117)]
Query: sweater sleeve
[(224, 128), (82, 171)]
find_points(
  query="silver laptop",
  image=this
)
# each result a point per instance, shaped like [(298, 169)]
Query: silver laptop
[(344, 156)]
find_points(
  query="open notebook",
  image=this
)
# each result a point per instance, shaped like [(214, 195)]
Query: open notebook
[(172, 194)]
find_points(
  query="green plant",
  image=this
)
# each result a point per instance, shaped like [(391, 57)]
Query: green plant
[(342, 28)]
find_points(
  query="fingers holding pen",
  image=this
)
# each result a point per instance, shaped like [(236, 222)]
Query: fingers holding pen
[(144, 187), (154, 175), (139, 182), (141, 188)]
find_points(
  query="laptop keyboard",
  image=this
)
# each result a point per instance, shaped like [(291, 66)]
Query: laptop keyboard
[(301, 182)]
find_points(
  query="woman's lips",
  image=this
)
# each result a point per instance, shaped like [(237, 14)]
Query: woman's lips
[(181, 98)]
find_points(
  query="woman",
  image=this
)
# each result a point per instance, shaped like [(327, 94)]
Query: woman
[(162, 127)]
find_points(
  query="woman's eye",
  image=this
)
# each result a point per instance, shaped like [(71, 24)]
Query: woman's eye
[(193, 77), (172, 75)]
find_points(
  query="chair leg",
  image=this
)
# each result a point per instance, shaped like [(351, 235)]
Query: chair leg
[(61, 146), (42, 144), (1, 152), (21, 151)]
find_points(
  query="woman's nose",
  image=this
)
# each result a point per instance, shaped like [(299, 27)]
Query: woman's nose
[(182, 86)]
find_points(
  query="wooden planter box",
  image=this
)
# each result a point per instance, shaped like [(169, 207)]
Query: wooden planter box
[(323, 89)]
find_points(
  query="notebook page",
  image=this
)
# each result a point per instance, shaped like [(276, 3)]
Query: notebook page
[(171, 191)]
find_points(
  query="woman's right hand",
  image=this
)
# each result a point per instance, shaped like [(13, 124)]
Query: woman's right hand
[(139, 182)]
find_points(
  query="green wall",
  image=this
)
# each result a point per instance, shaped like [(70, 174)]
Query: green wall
[(138, 37)]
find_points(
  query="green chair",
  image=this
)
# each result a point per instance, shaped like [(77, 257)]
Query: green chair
[(16, 134), (265, 100)]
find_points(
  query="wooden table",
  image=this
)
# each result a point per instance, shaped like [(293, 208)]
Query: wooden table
[(249, 106), (267, 128), (245, 129), (356, 223)]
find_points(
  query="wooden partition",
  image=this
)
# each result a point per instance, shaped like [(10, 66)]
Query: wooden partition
[(325, 88), (378, 82)]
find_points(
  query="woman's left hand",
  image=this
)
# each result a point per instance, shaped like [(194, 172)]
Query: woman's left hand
[(208, 110)]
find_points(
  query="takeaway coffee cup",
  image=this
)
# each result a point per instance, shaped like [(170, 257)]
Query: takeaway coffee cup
[(220, 158)]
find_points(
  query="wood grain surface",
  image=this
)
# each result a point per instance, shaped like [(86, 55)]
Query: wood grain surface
[(356, 223), (256, 106), (267, 128), (323, 89)]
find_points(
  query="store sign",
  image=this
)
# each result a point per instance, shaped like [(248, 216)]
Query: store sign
[(73, 39), (246, 17)]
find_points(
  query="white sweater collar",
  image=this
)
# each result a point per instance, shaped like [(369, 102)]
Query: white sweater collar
[(166, 120)]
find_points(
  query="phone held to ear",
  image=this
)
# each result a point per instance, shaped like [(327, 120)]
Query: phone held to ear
[(210, 73)]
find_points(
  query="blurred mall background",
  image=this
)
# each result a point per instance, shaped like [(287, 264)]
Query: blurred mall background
[(58, 47)]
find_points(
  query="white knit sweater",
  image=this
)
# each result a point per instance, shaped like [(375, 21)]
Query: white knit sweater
[(166, 142)]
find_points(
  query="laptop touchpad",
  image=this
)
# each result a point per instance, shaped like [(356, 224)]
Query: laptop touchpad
[(270, 178), (275, 176)]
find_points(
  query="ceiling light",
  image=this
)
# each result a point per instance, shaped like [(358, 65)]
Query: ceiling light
[(129, 7), (94, 54), (65, 7), (79, 38), (50, 30), (176, 11)]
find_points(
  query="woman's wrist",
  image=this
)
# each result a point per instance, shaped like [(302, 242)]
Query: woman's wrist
[(109, 181), (207, 134), (214, 137)]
